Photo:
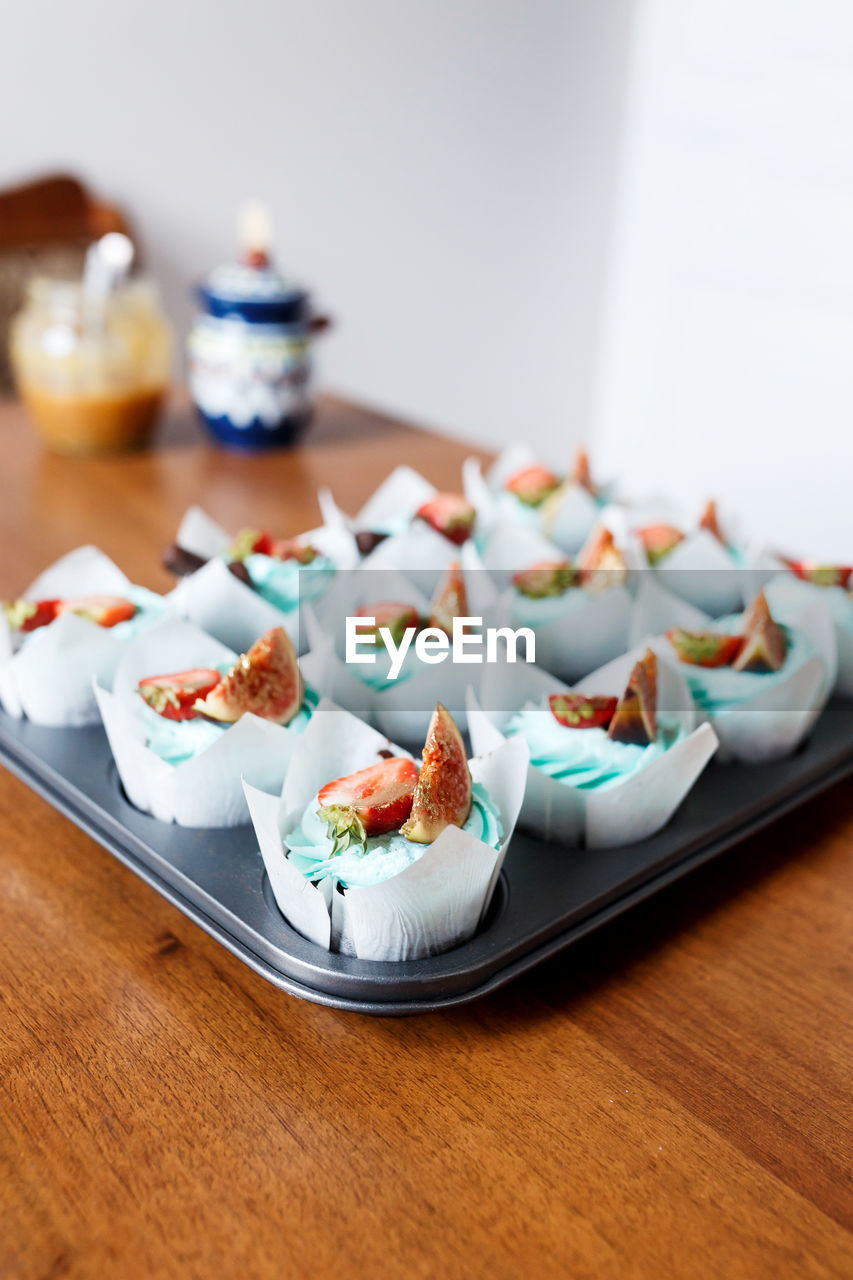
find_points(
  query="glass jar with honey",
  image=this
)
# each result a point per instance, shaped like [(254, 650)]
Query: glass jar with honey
[(92, 363)]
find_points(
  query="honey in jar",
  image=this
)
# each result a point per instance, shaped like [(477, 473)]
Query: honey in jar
[(92, 367)]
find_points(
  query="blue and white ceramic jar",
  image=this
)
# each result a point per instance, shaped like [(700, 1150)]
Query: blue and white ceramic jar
[(250, 355)]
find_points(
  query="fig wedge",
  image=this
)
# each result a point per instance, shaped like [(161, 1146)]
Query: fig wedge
[(765, 645), (635, 718), (266, 681), (450, 600), (443, 792), (601, 563)]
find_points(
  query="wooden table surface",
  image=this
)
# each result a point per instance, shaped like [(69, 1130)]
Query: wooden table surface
[(670, 1098)]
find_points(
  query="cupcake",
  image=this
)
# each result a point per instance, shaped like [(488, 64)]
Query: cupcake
[(71, 625), (578, 610), (408, 524), (760, 683), (806, 586), (187, 717), (238, 588), (611, 758), (521, 489), (394, 619), (700, 564), (372, 856)]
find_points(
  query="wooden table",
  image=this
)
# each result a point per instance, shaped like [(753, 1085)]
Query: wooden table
[(667, 1099)]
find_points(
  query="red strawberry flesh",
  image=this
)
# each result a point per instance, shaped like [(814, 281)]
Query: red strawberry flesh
[(822, 575), (449, 514), (106, 611), (579, 711), (372, 802), (658, 540), (531, 485), (704, 648), (172, 696)]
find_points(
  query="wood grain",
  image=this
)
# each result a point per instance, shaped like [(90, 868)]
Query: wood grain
[(670, 1098)]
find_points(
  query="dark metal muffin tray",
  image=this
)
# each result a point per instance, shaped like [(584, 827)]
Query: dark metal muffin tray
[(548, 896)]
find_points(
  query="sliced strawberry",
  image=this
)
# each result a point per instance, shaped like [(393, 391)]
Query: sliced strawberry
[(821, 575), (531, 485), (601, 563), (577, 711), (658, 540), (292, 549), (449, 514), (547, 578), (396, 617), (450, 599), (710, 522), (173, 696), (106, 611), (250, 542), (28, 615), (704, 648), (371, 802)]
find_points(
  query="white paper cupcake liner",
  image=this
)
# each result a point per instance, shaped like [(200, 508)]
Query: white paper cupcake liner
[(621, 814), (434, 904), (205, 791), (49, 678), (219, 603), (565, 520), (401, 710), (789, 598), (772, 723)]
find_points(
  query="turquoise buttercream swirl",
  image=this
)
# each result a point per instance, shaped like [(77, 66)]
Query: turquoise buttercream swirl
[(285, 583), (531, 612), (716, 690), (376, 675), (585, 758), (176, 741), (386, 856)]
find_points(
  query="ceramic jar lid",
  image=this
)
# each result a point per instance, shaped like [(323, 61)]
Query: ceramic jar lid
[(257, 294)]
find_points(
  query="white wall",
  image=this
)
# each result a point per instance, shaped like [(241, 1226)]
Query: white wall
[(441, 172), (727, 365)]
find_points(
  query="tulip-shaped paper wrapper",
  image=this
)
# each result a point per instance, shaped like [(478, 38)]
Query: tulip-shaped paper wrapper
[(434, 904), (409, 544), (764, 717), (402, 707), (790, 598), (206, 789), (48, 678), (235, 613), (580, 628), (565, 517), (622, 814)]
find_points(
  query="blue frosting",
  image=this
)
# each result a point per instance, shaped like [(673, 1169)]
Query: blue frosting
[(286, 583), (178, 740), (585, 758), (386, 856), (717, 690), (531, 612)]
